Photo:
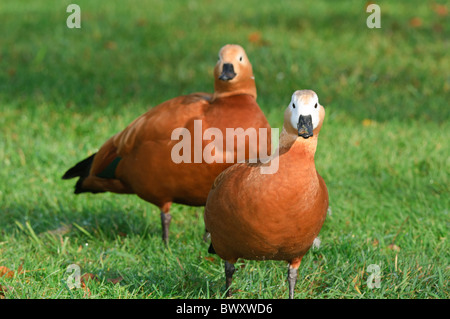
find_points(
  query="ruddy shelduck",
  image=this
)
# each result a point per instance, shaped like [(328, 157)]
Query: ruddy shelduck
[(139, 159), (276, 216)]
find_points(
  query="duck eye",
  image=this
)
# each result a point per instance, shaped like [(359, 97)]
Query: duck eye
[(293, 105), (315, 106), (240, 58)]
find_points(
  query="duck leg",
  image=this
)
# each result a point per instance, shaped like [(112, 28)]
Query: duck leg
[(165, 223), (229, 271), (292, 279), (292, 275)]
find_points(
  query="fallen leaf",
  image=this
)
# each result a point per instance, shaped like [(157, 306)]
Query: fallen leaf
[(367, 122), (115, 280), (87, 292), (86, 277), (3, 289), (8, 273), (110, 45), (4, 271), (210, 258), (440, 9), (394, 247), (257, 38), (415, 22), (254, 37), (84, 280)]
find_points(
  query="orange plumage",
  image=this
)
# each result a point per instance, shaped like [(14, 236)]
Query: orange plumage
[(276, 216), (138, 159)]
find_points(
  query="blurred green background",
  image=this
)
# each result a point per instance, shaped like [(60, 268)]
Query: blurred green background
[(383, 150)]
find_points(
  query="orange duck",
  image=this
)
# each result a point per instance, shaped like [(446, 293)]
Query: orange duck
[(139, 160), (276, 216)]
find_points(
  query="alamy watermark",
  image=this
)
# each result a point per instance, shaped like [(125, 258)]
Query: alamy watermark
[(74, 276), (192, 146), (74, 19), (374, 19), (374, 280)]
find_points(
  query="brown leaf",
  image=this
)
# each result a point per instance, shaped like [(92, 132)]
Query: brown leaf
[(86, 277), (84, 280), (110, 45), (115, 280), (4, 271), (3, 289), (255, 37), (8, 273), (210, 258), (87, 292), (415, 22), (440, 9), (375, 242), (394, 247)]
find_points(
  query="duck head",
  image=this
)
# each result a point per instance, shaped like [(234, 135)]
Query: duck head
[(304, 115), (233, 72)]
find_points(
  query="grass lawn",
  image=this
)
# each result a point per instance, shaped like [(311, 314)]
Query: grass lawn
[(383, 150)]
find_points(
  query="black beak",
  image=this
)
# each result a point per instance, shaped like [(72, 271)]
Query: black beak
[(304, 126), (227, 72)]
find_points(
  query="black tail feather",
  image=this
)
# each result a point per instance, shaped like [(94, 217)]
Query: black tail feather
[(80, 170)]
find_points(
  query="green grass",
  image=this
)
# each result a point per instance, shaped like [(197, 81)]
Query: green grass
[(383, 150)]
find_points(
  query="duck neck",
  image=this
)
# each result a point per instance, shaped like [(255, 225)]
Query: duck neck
[(297, 145), (225, 89)]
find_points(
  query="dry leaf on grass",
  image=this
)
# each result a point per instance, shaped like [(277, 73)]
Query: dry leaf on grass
[(440, 9), (8, 273), (115, 280), (394, 247), (415, 22), (5, 272), (257, 38)]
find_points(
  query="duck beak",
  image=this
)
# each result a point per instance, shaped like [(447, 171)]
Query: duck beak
[(304, 126), (227, 72)]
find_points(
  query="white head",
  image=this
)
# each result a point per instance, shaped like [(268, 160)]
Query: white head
[(304, 113)]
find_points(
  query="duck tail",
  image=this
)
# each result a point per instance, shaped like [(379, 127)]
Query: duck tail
[(81, 170)]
